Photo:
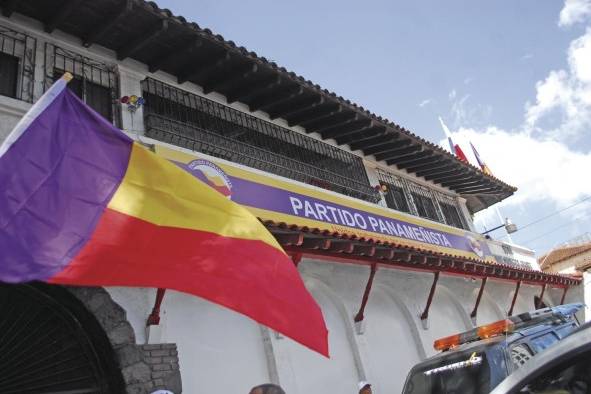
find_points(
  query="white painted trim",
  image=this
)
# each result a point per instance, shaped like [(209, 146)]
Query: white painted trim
[(32, 114), (14, 107), (312, 280)]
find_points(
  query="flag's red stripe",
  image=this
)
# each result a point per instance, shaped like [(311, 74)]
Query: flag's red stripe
[(248, 276)]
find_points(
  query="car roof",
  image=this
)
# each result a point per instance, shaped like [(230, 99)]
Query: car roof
[(521, 333), (572, 345)]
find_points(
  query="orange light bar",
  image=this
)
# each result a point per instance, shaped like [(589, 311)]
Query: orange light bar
[(496, 328), (447, 342)]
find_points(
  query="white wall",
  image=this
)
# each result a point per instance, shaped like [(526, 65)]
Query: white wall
[(221, 350)]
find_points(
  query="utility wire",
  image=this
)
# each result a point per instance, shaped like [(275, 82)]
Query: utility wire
[(551, 231), (548, 216), (555, 213)]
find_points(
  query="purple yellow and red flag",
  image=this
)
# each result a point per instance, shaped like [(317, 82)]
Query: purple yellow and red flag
[(81, 203), (481, 162)]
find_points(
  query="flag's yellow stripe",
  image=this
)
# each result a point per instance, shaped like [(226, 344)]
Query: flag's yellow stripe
[(157, 191)]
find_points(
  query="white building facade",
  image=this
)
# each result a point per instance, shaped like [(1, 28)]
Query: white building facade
[(386, 293)]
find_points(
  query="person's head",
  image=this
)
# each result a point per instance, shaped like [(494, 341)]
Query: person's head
[(267, 388), (364, 387)]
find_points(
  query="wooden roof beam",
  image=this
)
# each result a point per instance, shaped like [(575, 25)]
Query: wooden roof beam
[(245, 93), (348, 128), (317, 125), (292, 109), (174, 56), (319, 112), (379, 131), (437, 162), (418, 161), (384, 253), (461, 182), (62, 13), (478, 189), (289, 239), (403, 155), (461, 174), (194, 72), (342, 246), (221, 82), (378, 140), (429, 174), (131, 47), (108, 23), (380, 150), (266, 103), (324, 117), (364, 250), (316, 243)]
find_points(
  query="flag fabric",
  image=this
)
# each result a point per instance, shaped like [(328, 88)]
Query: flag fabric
[(83, 204), (460, 154), (454, 148), (481, 162)]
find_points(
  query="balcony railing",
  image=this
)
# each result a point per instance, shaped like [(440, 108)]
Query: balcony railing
[(189, 136)]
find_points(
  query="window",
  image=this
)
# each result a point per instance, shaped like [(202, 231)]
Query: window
[(94, 82), (17, 64), (8, 75), (178, 117), (451, 215), (425, 206), (396, 199), (410, 197), (96, 96)]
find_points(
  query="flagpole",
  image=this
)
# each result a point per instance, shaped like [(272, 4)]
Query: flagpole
[(37, 108)]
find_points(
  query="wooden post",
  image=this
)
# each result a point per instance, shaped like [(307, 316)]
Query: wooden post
[(425, 314), (563, 295), (154, 318), (541, 299), (359, 316), (514, 298), (475, 310)]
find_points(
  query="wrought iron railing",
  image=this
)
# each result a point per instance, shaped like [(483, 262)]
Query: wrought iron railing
[(95, 82), (407, 196), (189, 136), (17, 61)]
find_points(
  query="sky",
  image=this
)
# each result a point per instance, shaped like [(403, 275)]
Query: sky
[(512, 77)]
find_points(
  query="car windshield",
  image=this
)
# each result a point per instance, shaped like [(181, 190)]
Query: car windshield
[(464, 373)]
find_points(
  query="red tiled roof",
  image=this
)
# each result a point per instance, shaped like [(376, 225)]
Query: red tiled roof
[(564, 253), (304, 240)]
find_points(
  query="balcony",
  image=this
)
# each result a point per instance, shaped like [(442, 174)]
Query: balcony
[(189, 136)]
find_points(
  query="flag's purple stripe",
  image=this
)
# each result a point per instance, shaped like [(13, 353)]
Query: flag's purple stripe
[(56, 181)]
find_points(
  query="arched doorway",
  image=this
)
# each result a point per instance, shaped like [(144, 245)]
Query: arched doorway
[(50, 343)]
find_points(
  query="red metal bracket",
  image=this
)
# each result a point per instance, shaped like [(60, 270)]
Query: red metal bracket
[(540, 300), (563, 295), (154, 318), (475, 310), (296, 258), (359, 316), (425, 314), (510, 313)]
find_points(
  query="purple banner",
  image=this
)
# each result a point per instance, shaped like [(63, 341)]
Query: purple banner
[(257, 195)]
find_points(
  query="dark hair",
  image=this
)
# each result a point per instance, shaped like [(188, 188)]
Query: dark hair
[(269, 388)]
